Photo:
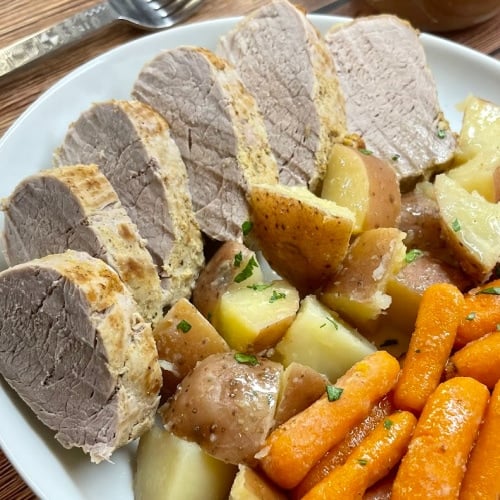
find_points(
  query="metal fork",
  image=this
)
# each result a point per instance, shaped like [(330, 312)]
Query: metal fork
[(144, 14)]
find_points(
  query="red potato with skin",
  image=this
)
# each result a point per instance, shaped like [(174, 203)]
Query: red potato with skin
[(367, 185), (226, 405)]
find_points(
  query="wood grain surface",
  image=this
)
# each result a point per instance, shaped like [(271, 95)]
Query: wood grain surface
[(20, 18)]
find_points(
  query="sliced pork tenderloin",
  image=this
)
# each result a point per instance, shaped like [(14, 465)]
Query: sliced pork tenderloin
[(132, 146), (390, 94), (286, 65), (75, 350), (218, 128), (75, 207)]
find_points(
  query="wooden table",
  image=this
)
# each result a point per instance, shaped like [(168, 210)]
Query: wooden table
[(20, 18)]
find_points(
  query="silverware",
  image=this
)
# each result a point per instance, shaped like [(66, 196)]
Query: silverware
[(144, 14)]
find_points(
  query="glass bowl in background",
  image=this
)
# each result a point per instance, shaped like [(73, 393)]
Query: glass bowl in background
[(439, 15)]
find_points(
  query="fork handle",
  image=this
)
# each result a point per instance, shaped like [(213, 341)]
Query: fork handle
[(71, 30)]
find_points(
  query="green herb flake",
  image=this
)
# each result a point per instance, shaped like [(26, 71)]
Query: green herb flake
[(471, 316), (412, 255), (333, 322), (362, 461), (277, 296), (395, 157), (389, 342), (238, 259), (323, 325), (246, 227), (259, 287), (246, 359), (441, 133), (365, 151), (333, 393), (247, 270), (388, 423), (455, 225), (492, 290), (183, 326), (498, 327)]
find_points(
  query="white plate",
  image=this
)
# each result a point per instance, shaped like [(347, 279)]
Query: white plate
[(52, 472)]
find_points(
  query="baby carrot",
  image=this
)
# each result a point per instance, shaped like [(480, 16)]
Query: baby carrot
[(482, 313), (373, 459), (294, 447), (338, 454), (434, 464), (439, 314), (482, 475), (479, 359)]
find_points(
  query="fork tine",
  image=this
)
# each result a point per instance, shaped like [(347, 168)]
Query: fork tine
[(170, 7)]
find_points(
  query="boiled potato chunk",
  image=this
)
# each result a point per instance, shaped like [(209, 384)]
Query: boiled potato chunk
[(303, 237), (301, 385), (407, 287), (249, 485), (478, 153), (226, 405), (233, 265), (184, 337), (365, 184), (169, 468), (320, 339), (358, 292), (471, 226), (254, 318)]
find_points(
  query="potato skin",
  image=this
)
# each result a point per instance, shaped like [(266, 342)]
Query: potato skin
[(226, 407), (365, 184), (219, 274), (182, 349), (304, 238)]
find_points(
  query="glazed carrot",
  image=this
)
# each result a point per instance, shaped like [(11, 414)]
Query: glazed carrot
[(439, 314), (373, 459), (294, 447), (434, 464), (338, 454), (382, 489), (479, 359), (482, 476), (481, 315)]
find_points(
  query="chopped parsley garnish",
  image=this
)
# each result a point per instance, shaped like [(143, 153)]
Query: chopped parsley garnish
[(246, 227), (333, 322), (277, 296), (259, 287), (492, 290), (413, 255), (183, 326), (470, 316), (498, 327), (362, 461), (238, 259), (395, 157), (246, 359), (388, 423), (333, 393), (455, 225), (247, 270), (441, 133), (365, 151), (388, 342)]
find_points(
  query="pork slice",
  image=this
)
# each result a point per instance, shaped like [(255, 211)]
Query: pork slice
[(218, 128), (75, 207), (75, 350), (286, 65), (390, 94), (132, 146)]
